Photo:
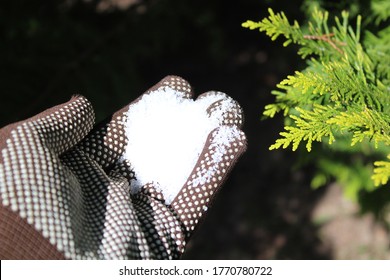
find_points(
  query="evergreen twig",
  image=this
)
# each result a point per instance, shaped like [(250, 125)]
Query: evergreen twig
[(345, 89)]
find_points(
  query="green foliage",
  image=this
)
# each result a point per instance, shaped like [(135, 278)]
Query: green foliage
[(310, 126), (356, 175), (382, 172), (343, 94), (276, 25), (381, 10)]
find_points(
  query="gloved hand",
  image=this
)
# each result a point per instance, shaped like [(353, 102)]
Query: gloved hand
[(68, 190)]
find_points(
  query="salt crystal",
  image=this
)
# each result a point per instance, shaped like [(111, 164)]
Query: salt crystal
[(167, 132)]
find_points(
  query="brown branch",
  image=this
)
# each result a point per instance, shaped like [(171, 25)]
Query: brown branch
[(327, 38)]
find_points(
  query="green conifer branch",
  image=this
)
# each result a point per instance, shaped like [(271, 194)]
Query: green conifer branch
[(379, 51), (364, 124), (381, 10), (345, 89), (310, 126), (276, 25), (381, 172)]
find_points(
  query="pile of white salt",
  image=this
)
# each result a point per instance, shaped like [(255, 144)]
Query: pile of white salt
[(167, 132)]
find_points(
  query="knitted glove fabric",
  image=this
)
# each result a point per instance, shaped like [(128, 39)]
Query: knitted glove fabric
[(65, 190)]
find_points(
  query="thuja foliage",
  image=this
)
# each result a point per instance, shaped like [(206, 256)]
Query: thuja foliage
[(341, 99)]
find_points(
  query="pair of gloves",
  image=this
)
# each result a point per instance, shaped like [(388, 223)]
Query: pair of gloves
[(65, 190)]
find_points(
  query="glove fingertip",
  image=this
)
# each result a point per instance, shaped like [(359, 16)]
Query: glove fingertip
[(223, 148), (176, 83), (222, 108), (152, 190)]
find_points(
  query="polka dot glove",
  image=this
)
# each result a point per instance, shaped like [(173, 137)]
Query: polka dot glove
[(66, 191)]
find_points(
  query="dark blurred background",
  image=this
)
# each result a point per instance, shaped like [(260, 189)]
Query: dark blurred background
[(111, 51)]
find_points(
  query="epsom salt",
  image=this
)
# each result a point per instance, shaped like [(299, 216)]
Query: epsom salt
[(166, 133)]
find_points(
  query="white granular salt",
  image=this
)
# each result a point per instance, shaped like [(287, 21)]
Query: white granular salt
[(166, 133), (219, 144)]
